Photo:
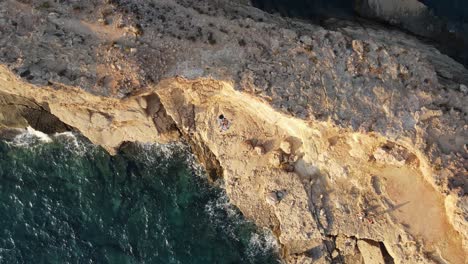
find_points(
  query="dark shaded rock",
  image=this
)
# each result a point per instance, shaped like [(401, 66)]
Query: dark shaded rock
[(19, 112)]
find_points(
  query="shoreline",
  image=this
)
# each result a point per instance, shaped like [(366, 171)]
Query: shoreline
[(347, 142), (280, 171)]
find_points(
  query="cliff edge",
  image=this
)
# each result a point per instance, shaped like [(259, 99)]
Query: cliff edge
[(350, 144)]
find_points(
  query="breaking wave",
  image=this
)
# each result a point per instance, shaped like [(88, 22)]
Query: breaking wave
[(30, 136)]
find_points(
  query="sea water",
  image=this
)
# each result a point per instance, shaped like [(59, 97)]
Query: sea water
[(64, 200)]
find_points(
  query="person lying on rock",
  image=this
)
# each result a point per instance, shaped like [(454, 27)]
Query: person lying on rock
[(223, 123)]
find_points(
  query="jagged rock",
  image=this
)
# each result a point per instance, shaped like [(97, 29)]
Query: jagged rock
[(383, 156), (394, 155), (304, 259)]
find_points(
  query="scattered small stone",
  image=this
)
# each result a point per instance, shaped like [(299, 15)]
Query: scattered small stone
[(306, 40), (357, 46), (259, 150), (248, 144), (463, 88), (285, 146), (272, 198), (335, 253), (280, 195), (292, 158), (134, 30), (287, 167), (120, 23), (276, 159), (52, 15), (133, 50), (389, 157)]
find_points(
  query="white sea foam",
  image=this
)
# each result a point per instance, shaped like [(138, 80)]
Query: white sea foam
[(73, 142), (263, 243), (165, 151), (30, 136), (218, 210), (67, 134)]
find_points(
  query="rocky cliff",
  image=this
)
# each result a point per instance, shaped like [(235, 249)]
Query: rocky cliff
[(349, 143)]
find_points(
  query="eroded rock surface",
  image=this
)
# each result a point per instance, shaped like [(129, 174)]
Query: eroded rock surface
[(336, 188), (376, 121)]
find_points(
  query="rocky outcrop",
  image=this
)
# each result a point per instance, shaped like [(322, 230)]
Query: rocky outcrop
[(105, 121), (357, 185), (330, 183), (20, 112), (340, 139)]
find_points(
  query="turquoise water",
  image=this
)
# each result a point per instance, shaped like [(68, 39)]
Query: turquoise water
[(63, 200)]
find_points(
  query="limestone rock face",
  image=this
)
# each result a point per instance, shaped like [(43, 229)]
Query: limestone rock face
[(105, 121), (376, 119), (334, 196)]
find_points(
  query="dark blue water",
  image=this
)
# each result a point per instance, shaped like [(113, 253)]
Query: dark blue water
[(67, 201)]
